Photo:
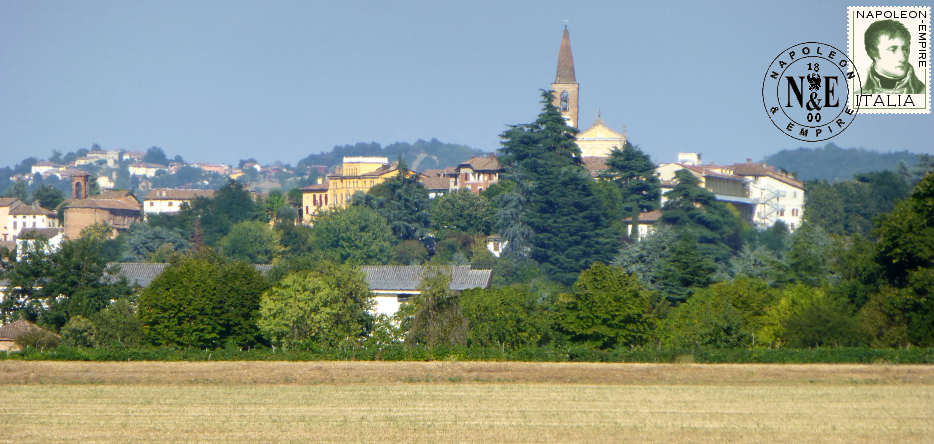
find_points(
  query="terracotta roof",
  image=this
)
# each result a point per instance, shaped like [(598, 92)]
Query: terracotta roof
[(110, 200), (436, 179), (16, 329), (176, 194), (33, 233), (649, 217), (46, 163), (323, 186), (565, 61), (761, 169), (381, 171), (593, 163), (9, 201), (33, 209), (407, 278), (483, 163), (10, 245)]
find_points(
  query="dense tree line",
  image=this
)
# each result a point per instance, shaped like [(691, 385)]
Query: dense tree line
[(858, 272)]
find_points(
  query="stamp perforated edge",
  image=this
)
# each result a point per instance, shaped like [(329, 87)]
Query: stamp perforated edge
[(850, 12)]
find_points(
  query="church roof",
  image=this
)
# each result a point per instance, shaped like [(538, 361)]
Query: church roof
[(565, 61)]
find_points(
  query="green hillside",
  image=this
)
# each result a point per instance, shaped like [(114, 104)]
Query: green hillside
[(833, 163), (420, 156)]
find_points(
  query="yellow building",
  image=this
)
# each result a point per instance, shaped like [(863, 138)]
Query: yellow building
[(355, 174), (598, 140)]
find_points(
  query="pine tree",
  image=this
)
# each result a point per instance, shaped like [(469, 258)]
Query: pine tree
[(571, 230), (696, 209), (634, 172)]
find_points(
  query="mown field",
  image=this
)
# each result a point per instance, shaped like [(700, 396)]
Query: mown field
[(463, 401)]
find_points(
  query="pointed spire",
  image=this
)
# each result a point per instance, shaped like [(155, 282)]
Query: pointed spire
[(565, 61)]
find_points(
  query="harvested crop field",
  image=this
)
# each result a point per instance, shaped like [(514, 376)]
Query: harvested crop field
[(463, 401)]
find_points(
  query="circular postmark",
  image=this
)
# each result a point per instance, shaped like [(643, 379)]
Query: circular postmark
[(806, 91)]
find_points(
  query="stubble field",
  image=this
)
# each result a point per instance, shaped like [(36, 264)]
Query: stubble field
[(463, 401)]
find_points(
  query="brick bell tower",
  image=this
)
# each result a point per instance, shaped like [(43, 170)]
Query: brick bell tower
[(79, 185), (565, 85)]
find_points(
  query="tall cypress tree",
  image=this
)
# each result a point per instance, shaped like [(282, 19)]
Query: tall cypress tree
[(571, 230), (634, 172)]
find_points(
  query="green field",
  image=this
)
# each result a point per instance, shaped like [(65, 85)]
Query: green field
[(455, 401)]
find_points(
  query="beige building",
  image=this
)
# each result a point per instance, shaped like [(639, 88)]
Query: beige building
[(8, 204), (355, 174), (168, 200), (145, 169)]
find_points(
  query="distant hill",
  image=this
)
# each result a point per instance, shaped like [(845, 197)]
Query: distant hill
[(833, 163), (419, 156)]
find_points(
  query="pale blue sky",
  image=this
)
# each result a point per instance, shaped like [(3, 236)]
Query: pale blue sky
[(217, 81)]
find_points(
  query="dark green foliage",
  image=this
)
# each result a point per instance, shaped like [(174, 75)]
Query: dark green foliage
[(142, 240), (906, 255), (38, 339), (409, 252), (202, 301), (75, 280), (327, 308), (556, 199), (438, 318), (848, 207), (722, 316), (118, 325), (634, 172), (463, 210), (810, 258), (48, 196), (79, 332), (403, 201), (828, 322), (692, 208), (685, 269), (156, 155), (296, 239), (605, 310), (447, 154), (231, 204), (508, 317), (397, 352), (832, 163), (251, 241), (354, 235)]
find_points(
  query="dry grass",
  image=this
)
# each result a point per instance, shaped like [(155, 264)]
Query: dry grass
[(473, 402)]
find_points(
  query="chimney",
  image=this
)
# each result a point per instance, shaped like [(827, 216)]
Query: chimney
[(748, 160)]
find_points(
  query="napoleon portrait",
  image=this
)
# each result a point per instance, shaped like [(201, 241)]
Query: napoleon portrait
[(888, 43)]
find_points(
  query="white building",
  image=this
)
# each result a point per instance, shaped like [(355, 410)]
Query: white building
[(30, 217), (27, 238), (168, 200), (145, 169)]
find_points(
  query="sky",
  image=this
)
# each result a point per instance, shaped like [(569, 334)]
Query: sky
[(219, 81)]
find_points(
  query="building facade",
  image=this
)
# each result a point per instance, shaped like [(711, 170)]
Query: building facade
[(355, 174), (168, 200)]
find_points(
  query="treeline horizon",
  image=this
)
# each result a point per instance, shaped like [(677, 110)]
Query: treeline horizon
[(858, 273)]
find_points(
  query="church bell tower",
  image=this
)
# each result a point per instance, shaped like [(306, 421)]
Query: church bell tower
[(565, 85)]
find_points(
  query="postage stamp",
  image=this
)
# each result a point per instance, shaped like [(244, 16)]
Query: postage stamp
[(891, 49), (807, 91)]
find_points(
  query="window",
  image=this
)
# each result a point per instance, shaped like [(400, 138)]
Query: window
[(151, 203), (792, 225), (794, 194), (781, 213), (495, 246), (171, 203), (14, 224), (34, 225), (565, 101), (480, 190), (794, 211)]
